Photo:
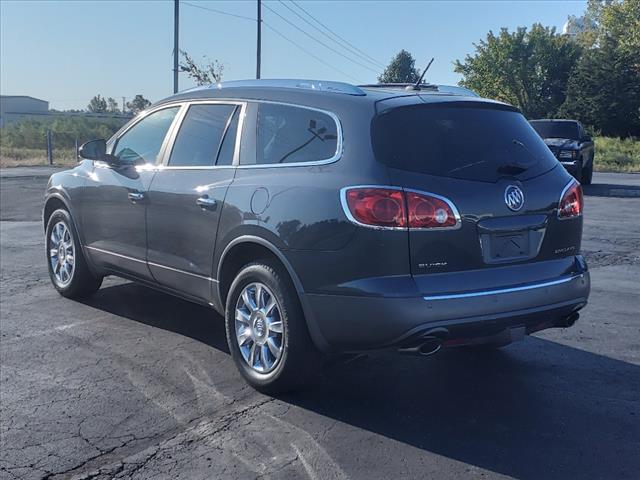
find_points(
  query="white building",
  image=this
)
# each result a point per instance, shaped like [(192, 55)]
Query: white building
[(15, 107)]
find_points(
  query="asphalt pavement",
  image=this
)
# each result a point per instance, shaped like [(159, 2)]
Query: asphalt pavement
[(133, 383)]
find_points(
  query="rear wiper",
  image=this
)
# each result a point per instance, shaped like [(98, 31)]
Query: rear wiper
[(511, 169)]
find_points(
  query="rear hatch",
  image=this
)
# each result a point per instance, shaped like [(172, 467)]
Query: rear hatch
[(475, 154)]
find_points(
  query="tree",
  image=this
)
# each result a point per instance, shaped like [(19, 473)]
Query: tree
[(205, 74), (138, 104), (97, 105), (527, 68), (112, 105), (604, 89), (401, 69)]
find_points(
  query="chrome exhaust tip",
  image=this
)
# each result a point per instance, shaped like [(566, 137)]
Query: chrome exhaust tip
[(568, 321), (426, 347)]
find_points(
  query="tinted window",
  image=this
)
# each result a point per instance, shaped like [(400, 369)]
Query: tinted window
[(200, 135), (460, 141), (225, 156), (291, 135), (557, 129), (142, 142)]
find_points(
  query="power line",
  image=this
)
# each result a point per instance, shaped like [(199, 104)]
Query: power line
[(307, 51), (214, 10), (351, 50), (336, 35), (319, 41)]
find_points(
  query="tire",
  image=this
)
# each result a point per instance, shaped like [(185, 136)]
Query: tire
[(67, 266), (587, 174), (298, 359), (578, 175)]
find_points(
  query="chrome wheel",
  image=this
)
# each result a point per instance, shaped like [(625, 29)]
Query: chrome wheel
[(61, 254), (259, 328)]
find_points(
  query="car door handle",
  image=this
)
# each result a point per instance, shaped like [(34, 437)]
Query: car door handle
[(136, 196), (206, 203)]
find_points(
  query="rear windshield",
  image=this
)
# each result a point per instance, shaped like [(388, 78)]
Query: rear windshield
[(556, 129), (459, 140)]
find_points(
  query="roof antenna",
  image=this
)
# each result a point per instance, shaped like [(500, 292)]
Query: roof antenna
[(416, 86)]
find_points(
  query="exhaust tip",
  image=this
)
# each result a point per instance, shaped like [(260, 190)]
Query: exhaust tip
[(568, 321), (430, 347)]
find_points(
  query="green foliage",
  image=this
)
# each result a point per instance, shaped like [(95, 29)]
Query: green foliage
[(401, 69), (97, 105), (206, 74), (617, 155), (30, 132), (112, 105), (527, 68), (138, 104)]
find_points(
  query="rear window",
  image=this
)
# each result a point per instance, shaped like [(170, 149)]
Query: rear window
[(556, 129), (460, 141)]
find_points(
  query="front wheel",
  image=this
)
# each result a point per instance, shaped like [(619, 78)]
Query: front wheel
[(68, 268), (266, 330)]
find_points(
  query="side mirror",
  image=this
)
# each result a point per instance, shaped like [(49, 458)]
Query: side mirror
[(97, 150), (587, 138)]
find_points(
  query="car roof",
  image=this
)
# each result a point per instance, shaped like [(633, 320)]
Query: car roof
[(320, 94)]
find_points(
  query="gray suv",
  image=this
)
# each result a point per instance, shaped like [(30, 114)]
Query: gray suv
[(321, 217)]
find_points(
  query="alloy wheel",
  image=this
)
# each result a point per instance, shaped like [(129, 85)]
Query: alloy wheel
[(259, 327), (62, 254)]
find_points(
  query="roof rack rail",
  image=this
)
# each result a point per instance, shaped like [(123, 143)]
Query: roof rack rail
[(448, 89), (426, 86), (318, 85)]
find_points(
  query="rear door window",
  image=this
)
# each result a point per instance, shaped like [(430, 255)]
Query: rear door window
[(200, 136), (287, 134), (459, 140)]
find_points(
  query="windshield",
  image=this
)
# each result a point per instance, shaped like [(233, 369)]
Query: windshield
[(468, 141), (549, 129)]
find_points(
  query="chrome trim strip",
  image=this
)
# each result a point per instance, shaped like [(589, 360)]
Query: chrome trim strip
[(177, 270), (347, 212), (502, 290), (107, 252), (564, 190)]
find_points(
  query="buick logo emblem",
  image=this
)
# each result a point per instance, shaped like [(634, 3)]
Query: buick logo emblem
[(514, 198)]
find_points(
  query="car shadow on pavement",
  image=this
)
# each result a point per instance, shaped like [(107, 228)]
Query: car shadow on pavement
[(160, 310), (537, 409)]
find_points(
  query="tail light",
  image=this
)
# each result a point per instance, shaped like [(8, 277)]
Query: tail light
[(428, 211), (379, 207), (394, 208), (571, 202)]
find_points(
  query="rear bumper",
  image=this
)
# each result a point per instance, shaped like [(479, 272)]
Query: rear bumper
[(360, 322)]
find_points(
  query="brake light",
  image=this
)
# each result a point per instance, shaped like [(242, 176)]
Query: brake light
[(395, 208), (427, 211), (571, 201)]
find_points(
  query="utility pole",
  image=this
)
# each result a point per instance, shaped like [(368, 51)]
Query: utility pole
[(176, 15), (259, 37), (123, 110)]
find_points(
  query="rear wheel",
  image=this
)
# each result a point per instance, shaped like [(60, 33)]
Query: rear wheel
[(578, 174), (68, 268), (266, 330)]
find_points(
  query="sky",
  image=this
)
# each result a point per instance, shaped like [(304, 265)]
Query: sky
[(68, 51)]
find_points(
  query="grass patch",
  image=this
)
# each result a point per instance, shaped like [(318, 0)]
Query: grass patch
[(617, 155), (22, 157)]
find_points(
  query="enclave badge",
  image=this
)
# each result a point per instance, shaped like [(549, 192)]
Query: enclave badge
[(514, 198)]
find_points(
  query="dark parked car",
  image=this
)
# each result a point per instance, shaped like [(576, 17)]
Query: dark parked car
[(570, 144), (321, 217)]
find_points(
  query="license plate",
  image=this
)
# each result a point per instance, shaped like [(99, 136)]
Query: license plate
[(506, 246)]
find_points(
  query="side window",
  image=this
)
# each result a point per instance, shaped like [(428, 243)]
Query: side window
[(142, 142), (287, 134), (200, 136), (225, 155)]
